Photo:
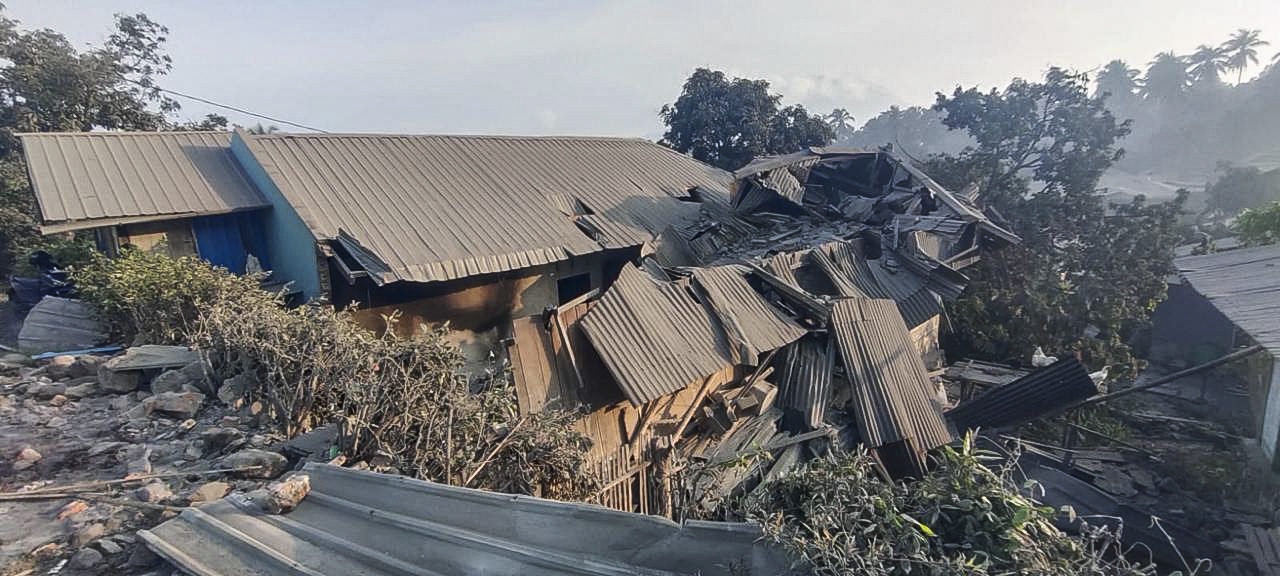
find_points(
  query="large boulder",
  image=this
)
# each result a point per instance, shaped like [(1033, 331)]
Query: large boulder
[(257, 463), (177, 404), (59, 367), (123, 373)]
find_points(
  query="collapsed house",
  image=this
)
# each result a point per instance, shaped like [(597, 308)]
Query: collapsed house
[(688, 313)]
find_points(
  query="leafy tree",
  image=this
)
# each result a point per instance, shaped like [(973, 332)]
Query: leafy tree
[(1242, 50), (1087, 274), (1258, 226), (47, 85), (916, 131), (841, 122), (727, 122), (210, 123), (1240, 188), (1167, 78)]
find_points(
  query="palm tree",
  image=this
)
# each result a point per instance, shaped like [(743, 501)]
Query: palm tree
[(1242, 50), (1118, 79), (841, 122), (1207, 64), (1166, 77)]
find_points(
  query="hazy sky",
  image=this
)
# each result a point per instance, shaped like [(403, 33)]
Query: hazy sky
[(580, 67)]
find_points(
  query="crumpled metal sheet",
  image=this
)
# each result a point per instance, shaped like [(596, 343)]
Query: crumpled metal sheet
[(60, 324), (359, 522)]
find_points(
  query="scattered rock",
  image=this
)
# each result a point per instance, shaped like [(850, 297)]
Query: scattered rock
[(46, 551), (81, 391), (138, 412), (197, 374), (104, 447), (86, 559), (60, 366), (27, 457), (56, 422), (58, 400), (233, 390), (284, 496), (139, 460), (193, 451), (143, 557), (46, 390), (72, 508), (267, 464), (15, 358), (187, 425), (86, 365), (120, 382), (87, 534), (108, 546), (179, 404), (171, 381), (216, 439), (120, 403), (153, 492), (209, 491)]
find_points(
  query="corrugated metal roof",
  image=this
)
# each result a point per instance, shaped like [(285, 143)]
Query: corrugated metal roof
[(1243, 284), (886, 277), (357, 522), (654, 337), (90, 179), (1055, 386), (805, 386), (749, 321), (891, 389), (445, 207)]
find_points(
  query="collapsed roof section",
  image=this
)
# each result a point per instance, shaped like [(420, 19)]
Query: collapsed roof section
[(815, 196)]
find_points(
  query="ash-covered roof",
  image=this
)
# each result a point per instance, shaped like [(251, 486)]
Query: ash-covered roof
[(427, 208), (91, 179), (1243, 284)]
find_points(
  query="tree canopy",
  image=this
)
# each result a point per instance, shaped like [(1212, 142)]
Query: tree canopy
[(47, 85), (1258, 226), (1087, 274), (727, 122)]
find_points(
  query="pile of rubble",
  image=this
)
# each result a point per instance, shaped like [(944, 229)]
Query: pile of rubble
[(121, 444)]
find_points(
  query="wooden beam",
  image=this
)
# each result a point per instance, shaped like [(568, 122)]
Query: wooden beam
[(568, 348), (688, 413), (646, 414)]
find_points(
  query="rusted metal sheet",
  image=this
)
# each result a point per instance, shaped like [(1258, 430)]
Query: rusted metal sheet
[(654, 337), (358, 522), (90, 179), (891, 390), (444, 207), (1056, 386), (749, 320)]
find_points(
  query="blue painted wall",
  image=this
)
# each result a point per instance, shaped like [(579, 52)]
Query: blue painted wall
[(226, 240), (291, 248)]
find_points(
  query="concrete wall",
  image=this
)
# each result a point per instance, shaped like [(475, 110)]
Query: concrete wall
[(1186, 329), (291, 248)]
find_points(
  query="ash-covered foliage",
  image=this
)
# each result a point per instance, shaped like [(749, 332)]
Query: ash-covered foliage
[(969, 516), (397, 401)]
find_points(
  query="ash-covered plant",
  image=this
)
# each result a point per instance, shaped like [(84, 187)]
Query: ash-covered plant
[(969, 515), (398, 402), (152, 298)]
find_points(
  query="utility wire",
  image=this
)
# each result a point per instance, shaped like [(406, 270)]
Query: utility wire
[(228, 107)]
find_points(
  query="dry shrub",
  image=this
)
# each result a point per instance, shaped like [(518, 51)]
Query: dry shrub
[(967, 516), (398, 401)]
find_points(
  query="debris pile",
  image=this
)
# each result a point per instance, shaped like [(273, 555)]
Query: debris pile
[(125, 442)]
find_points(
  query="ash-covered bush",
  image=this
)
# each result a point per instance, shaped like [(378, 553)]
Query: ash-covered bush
[(151, 298), (398, 402), (970, 516)]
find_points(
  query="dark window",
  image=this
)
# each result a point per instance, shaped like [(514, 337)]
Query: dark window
[(571, 287)]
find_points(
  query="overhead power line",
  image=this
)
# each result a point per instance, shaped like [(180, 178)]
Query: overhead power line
[(229, 107)]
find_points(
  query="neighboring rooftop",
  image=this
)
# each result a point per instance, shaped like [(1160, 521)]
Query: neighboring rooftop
[(428, 208), (1243, 284), (91, 179)]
